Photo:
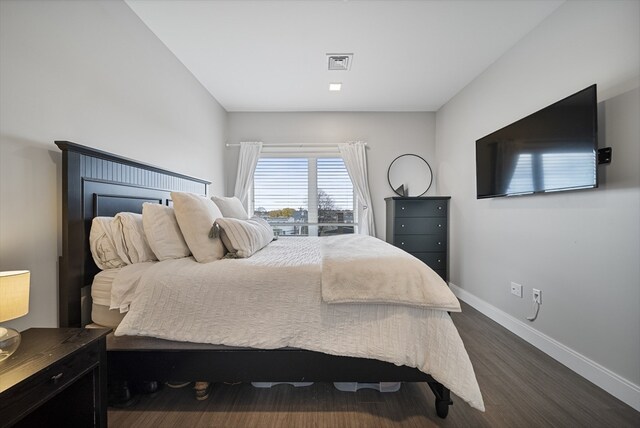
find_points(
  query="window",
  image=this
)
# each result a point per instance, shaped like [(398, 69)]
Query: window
[(565, 170), (551, 171), (311, 196), (522, 178)]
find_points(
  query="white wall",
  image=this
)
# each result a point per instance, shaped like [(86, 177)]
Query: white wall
[(388, 135), (89, 72), (582, 248)]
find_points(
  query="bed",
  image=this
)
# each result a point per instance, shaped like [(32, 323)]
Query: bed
[(97, 183)]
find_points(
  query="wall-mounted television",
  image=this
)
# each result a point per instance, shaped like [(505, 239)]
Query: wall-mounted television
[(553, 149)]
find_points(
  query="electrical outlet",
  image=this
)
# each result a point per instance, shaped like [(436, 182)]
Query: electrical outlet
[(516, 289), (537, 296)]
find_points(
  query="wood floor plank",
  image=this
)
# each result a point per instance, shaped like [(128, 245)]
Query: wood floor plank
[(521, 386)]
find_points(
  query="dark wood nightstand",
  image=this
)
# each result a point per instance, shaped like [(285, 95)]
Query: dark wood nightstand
[(57, 377)]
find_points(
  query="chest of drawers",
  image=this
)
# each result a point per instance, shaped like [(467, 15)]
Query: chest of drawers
[(420, 227)]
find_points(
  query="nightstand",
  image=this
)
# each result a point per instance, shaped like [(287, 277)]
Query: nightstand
[(57, 377)]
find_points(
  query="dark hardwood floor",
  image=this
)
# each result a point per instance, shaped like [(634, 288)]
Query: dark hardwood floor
[(521, 386)]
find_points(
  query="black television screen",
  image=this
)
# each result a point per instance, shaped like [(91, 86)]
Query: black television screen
[(550, 150)]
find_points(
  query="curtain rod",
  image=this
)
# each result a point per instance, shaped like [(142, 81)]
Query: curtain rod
[(289, 145)]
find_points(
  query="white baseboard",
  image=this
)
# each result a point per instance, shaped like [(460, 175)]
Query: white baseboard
[(619, 387)]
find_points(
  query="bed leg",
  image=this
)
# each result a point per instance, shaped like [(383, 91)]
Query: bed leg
[(443, 398)]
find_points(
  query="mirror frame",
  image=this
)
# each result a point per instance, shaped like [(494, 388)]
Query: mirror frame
[(423, 160)]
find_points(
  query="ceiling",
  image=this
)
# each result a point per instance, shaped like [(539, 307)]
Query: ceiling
[(271, 55)]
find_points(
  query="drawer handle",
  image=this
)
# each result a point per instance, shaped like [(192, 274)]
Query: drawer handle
[(402, 243), (56, 378), (439, 261), (439, 243), (403, 225), (402, 208), (440, 208), (439, 225)]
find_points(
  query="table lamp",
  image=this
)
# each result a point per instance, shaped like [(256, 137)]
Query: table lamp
[(14, 303)]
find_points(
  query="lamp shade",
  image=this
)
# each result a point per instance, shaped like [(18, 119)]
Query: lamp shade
[(14, 294)]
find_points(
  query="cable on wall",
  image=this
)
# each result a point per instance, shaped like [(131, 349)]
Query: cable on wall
[(537, 302), (536, 308)]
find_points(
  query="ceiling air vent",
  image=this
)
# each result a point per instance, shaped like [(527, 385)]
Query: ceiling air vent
[(340, 62)]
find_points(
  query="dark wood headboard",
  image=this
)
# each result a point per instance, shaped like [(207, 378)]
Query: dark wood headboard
[(97, 183)]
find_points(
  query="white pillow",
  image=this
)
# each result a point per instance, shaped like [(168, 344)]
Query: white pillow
[(101, 242), (231, 207), (130, 240), (196, 215), (244, 237), (162, 232)]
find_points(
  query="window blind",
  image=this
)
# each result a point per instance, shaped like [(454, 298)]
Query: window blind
[(281, 183), (335, 196)]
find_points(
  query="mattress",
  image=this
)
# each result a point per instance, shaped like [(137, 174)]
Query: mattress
[(101, 300)]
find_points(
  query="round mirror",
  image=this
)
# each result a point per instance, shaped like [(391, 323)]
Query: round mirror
[(410, 175)]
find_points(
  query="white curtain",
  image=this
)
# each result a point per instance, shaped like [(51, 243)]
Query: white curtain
[(247, 161), (355, 159)]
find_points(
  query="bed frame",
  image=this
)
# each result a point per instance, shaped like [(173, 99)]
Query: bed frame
[(97, 183)]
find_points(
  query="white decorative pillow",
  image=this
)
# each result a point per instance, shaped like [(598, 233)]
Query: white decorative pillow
[(244, 237), (101, 242), (130, 240), (196, 215), (162, 232), (231, 207)]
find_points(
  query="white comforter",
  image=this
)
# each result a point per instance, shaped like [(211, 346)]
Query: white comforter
[(273, 300)]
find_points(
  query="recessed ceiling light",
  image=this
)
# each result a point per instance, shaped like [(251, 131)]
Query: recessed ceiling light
[(335, 86)]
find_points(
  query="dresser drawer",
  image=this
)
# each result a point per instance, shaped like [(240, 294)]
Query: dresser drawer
[(421, 243), (425, 208), (420, 226), (434, 260)]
